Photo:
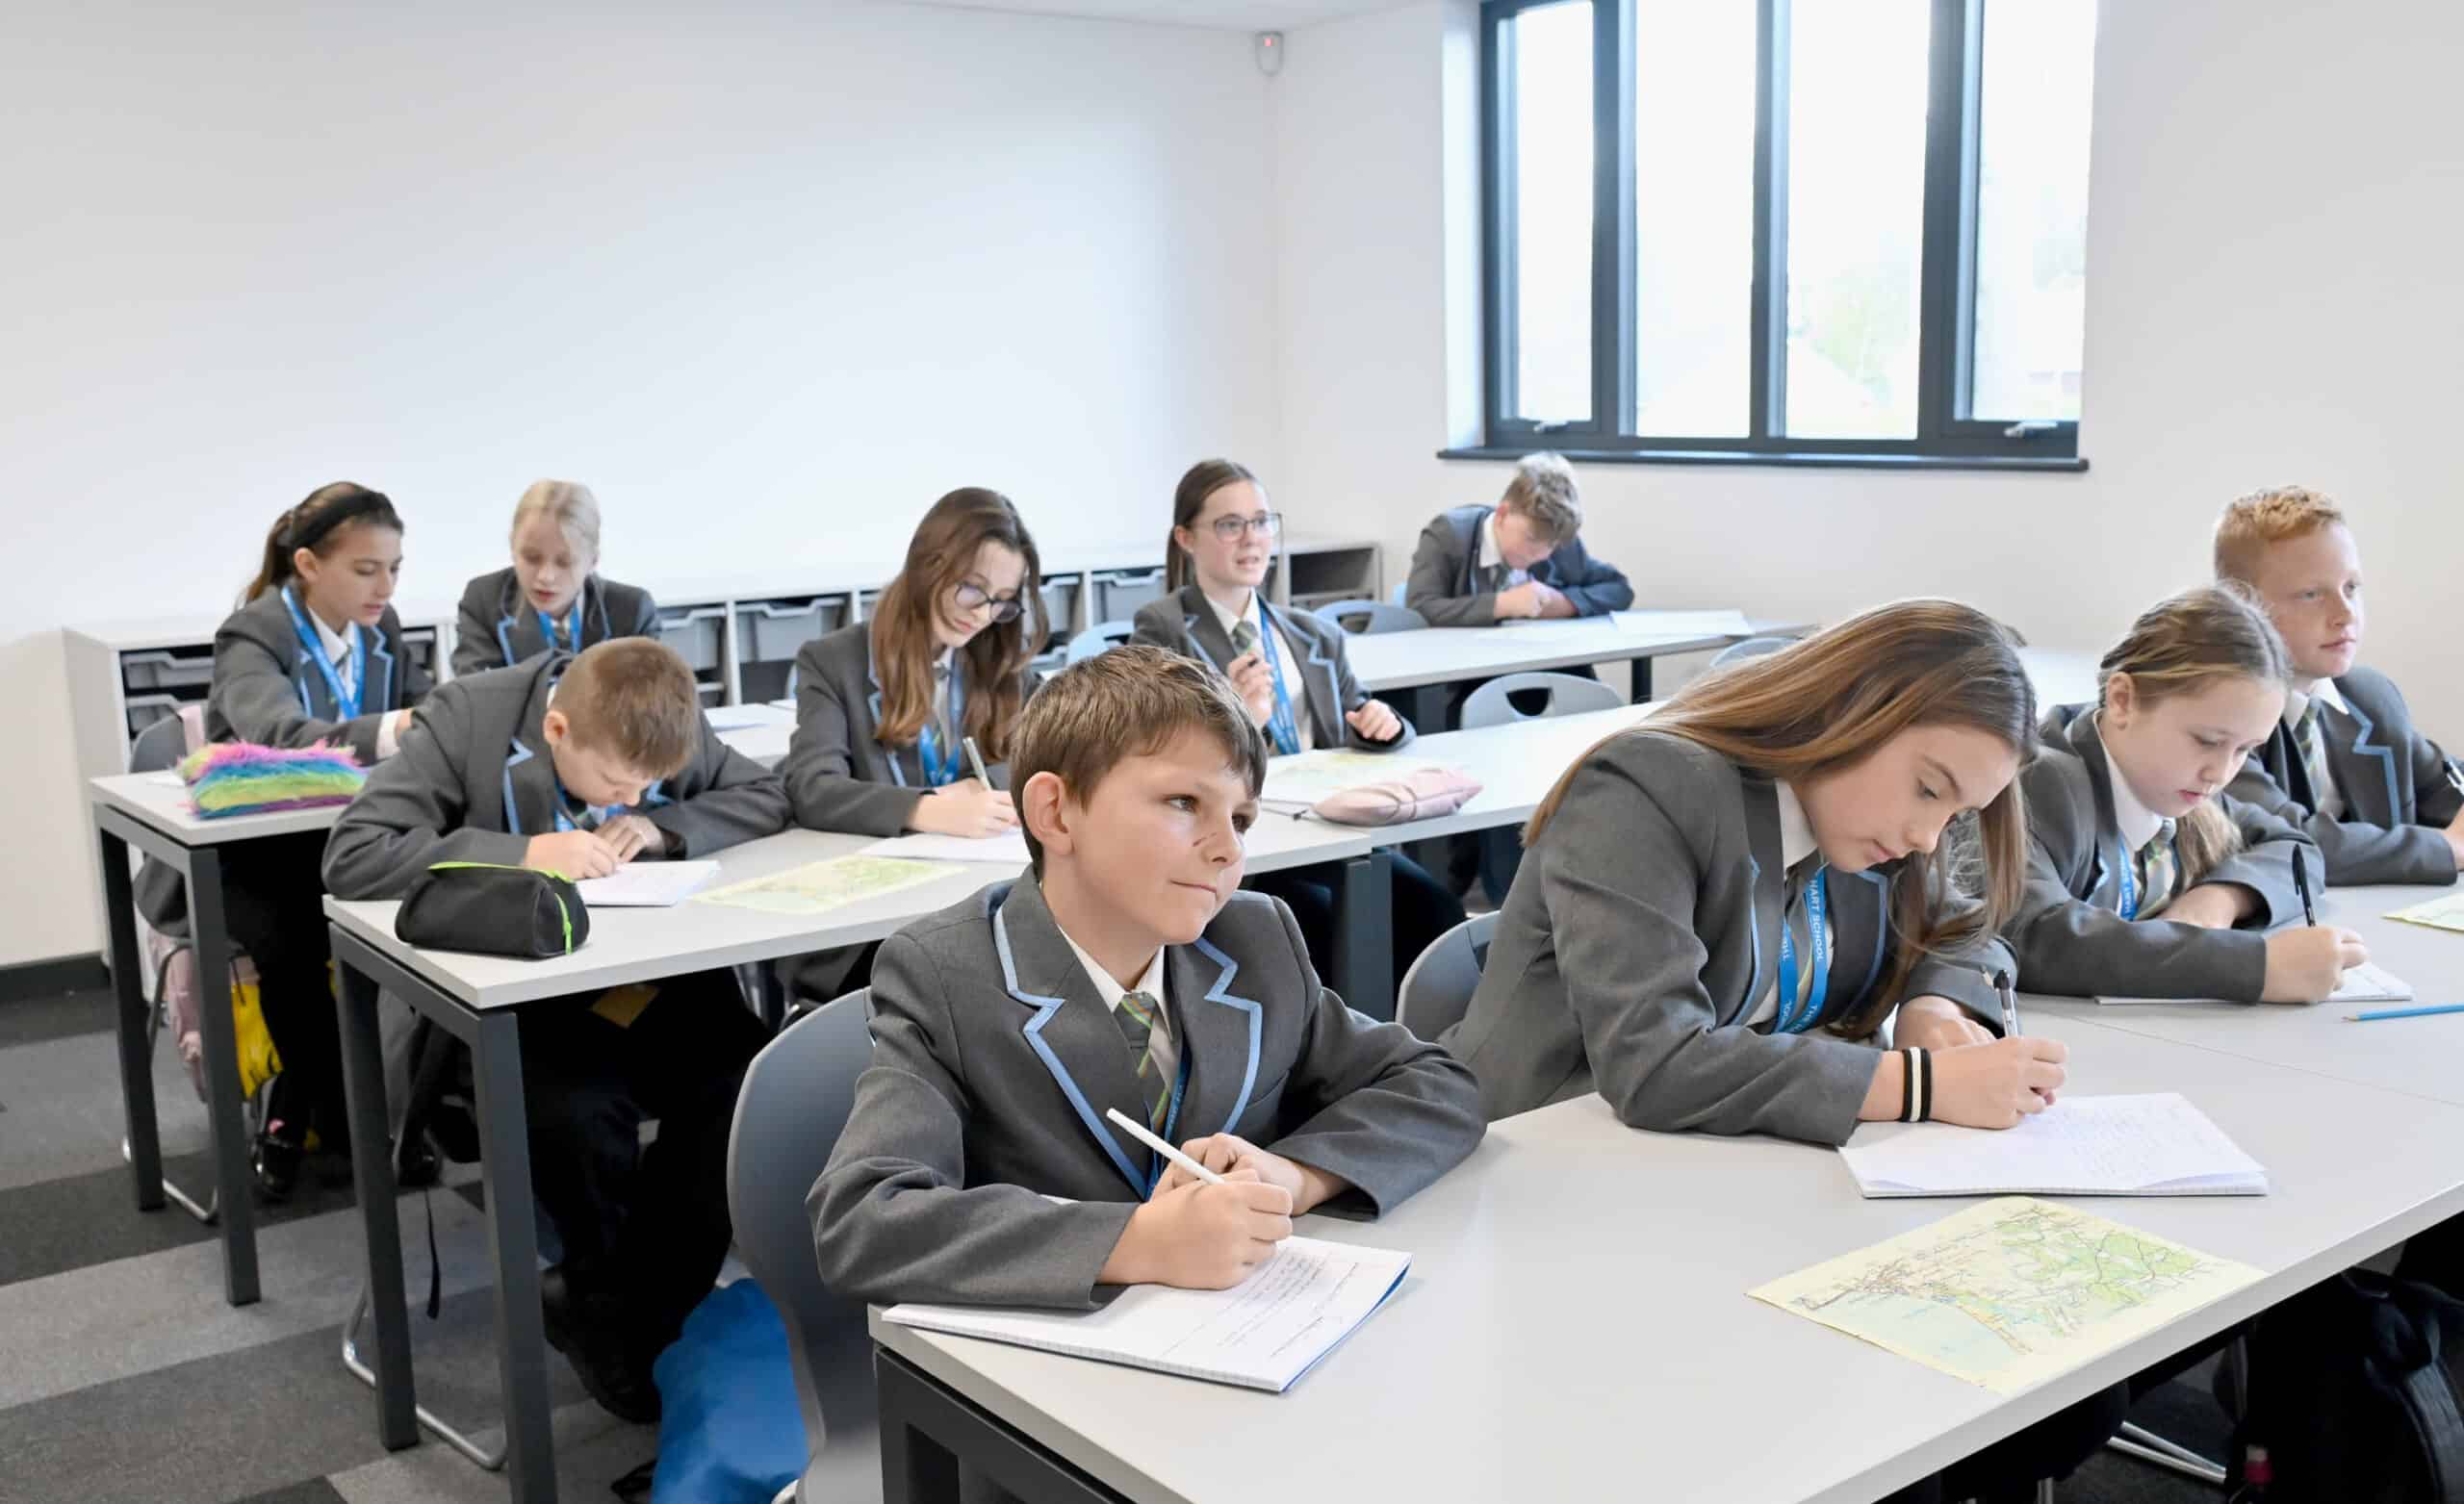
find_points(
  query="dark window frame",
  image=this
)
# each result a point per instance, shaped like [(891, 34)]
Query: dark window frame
[(1946, 436)]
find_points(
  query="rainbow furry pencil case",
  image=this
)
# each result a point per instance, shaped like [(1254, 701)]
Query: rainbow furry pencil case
[(239, 779)]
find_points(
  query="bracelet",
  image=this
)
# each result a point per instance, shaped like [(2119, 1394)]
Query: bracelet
[(1916, 1099)]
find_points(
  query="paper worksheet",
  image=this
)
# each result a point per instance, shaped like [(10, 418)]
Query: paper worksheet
[(2155, 1144), (1262, 1334), (817, 888), (1008, 850), (648, 884), (743, 718), (1684, 623), (2367, 982), (2439, 913)]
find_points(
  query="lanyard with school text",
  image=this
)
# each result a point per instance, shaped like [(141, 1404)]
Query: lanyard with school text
[(1817, 900), (2128, 908), (940, 770), (346, 705), (1286, 730), (573, 626)]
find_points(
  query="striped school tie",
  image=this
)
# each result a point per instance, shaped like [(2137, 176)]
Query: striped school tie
[(941, 705), (1135, 1014), (2312, 739), (2156, 872)]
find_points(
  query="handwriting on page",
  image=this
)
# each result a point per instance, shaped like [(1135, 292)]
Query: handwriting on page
[(2083, 1143)]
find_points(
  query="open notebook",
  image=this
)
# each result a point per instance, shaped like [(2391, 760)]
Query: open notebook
[(2153, 1145), (1262, 1334), (648, 884), (2367, 982)]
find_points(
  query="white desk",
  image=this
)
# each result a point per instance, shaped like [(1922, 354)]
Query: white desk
[(140, 810), (1386, 661), (1576, 1323)]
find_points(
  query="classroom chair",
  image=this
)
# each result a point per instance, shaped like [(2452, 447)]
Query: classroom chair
[(1750, 648), (1363, 618), (796, 1097), (1502, 701), (1100, 637), (1439, 986), (1398, 595)]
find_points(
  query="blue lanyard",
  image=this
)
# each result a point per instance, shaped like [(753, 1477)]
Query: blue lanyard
[(1286, 731), (2128, 909), (940, 770), (345, 704), (564, 801), (573, 626), (1816, 901)]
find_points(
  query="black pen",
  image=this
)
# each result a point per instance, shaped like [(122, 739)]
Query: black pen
[(2010, 1004), (2301, 886)]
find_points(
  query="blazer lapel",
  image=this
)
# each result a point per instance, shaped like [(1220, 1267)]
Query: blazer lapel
[(1220, 1033), (1205, 629), (529, 770), (2104, 875), (1068, 1030), (378, 694), (1316, 675), (2369, 768), (1769, 874), (870, 737), (1861, 917)]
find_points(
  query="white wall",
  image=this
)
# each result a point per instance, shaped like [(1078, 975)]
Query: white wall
[(2275, 194), (769, 276)]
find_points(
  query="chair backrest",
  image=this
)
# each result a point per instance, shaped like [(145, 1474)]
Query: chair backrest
[(1102, 637), (1361, 618), (796, 1097), (1750, 648), (166, 741), (1402, 589), (1559, 695), (1439, 986)]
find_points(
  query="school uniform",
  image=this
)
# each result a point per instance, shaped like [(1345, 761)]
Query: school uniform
[(995, 1055), (1640, 954), (283, 677), (2346, 766), (475, 781), (1316, 692), (1457, 572), (2102, 868), (499, 626), (838, 775)]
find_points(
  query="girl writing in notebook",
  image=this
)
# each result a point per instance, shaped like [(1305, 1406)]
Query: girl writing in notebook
[(313, 654), (550, 598), (2143, 879), (1289, 670)]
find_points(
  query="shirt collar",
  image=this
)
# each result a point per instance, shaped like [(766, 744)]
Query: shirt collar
[(1230, 619), (1796, 834), (2323, 693), (948, 657), (336, 647), (2138, 822), (1490, 553), (1150, 982)]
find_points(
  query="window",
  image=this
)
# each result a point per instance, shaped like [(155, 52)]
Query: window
[(1838, 231)]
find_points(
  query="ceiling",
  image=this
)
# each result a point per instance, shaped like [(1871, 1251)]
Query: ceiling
[(1242, 15)]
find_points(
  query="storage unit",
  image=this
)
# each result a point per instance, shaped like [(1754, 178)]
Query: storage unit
[(698, 631), (770, 633), (1118, 594)]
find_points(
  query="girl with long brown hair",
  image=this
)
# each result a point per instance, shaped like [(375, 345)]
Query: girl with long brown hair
[(2146, 880)]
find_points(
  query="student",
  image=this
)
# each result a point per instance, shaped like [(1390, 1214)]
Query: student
[(2345, 763), (1290, 670), (885, 707), (2143, 879), (550, 598), (1125, 971), (1477, 566), (313, 654), (578, 765)]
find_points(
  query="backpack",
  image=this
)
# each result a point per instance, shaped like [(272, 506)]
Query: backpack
[(2351, 1391)]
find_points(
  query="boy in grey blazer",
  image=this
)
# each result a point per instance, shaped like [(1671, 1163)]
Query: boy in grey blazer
[(499, 627), (1124, 970), (1477, 565), (577, 765)]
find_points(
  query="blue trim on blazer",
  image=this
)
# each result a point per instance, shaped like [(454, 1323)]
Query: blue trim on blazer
[(1754, 932), (2386, 756), (512, 815), (378, 653), (1045, 1008), (1221, 993), (1317, 658)]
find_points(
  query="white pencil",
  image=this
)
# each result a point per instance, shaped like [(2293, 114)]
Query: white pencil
[(1138, 1130)]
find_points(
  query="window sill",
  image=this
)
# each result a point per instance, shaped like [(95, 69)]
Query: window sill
[(2046, 463)]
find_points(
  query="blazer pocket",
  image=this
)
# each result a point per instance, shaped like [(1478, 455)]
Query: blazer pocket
[(1258, 1120)]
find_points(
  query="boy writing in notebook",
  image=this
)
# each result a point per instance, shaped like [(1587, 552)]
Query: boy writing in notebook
[(577, 765), (1125, 970), (2345, 764), (1477, 565)]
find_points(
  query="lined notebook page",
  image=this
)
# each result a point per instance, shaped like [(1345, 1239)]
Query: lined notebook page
[(1262, 1334), (2151, 1145)]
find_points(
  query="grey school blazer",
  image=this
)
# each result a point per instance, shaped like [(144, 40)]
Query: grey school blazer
[(499, 627), (993, 1061), (1642, 931), (837, 774), (475, 781), (267, 688), (1183, 623), (2398, 799), (1444, 589), (2069, 932)]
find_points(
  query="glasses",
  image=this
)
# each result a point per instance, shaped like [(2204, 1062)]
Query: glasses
[(1266, 525), (973, 598)]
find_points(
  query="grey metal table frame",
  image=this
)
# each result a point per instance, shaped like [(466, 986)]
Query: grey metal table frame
[(929, 1431)]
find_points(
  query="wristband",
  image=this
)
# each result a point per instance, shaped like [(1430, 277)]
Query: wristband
[(1916, 1102)]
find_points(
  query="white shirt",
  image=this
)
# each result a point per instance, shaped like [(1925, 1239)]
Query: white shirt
[(337, 653), (2330, 800), (1796, 844), (2138, 824), (1159, 1047), (1288, 660), (1490, 553)]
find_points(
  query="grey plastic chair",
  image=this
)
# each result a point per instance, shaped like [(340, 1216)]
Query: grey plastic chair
[(1439, 986), (1102, 637), (1402, 589), (1366, 618), (1492, 704), (1750, 648), (797, 1094)]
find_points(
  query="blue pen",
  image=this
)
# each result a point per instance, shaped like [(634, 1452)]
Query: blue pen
[(2403, 1012)]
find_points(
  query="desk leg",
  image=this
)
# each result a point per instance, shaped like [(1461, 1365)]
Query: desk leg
[(225, 1104), (932, 1438), (373, 1174), (513, 1234), (1641, 669), (136, 1059), (1365, 935)]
